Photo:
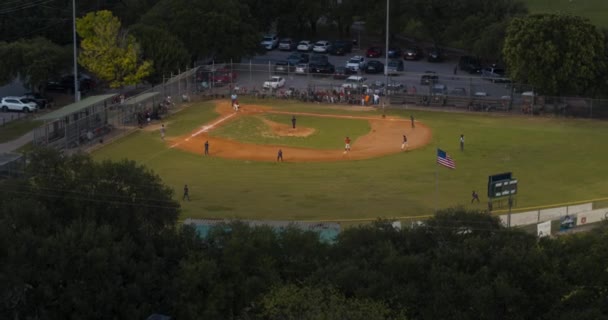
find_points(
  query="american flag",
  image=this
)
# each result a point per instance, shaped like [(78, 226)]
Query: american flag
[(444, 159)]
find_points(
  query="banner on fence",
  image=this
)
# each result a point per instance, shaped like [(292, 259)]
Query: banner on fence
[(543, 229)]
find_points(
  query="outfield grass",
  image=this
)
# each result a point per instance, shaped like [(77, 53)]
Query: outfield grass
[(329, 133), (16, 128), (595, 10), (555, 160)]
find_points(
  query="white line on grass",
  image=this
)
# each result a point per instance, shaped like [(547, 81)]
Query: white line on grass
[(205, 129)]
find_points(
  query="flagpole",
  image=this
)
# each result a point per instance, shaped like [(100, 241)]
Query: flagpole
[(436, 186)]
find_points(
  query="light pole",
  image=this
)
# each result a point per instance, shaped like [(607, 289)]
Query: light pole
[(76, 91), (386, 51)]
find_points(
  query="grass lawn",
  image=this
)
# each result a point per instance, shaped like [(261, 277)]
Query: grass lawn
[(595, 10), (16, 128), (328, 134), (555, 161)]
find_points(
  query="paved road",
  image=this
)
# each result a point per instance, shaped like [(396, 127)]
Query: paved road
[(253, 72)]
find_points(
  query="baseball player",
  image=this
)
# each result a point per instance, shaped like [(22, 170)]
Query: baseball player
[(280, 155), (404, 145), (346, 144), (162, 132)]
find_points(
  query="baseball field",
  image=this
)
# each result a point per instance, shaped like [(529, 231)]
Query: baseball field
[(556, 160)]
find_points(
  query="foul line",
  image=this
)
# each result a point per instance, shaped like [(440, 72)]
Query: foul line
[(205, 129), (322, 115)]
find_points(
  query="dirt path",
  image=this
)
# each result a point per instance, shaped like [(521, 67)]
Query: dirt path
[(384, 138)]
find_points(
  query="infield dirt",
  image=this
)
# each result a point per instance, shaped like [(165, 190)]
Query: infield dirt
[(385, 138)]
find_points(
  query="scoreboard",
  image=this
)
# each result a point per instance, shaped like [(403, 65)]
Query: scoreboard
[(502, 185)]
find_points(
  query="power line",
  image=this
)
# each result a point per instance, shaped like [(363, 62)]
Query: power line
[(24, 6)]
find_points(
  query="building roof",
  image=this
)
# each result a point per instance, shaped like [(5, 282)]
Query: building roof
[(140, 98), (75, 107)]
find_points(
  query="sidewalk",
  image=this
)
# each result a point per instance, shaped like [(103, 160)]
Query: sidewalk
[(13, 145)]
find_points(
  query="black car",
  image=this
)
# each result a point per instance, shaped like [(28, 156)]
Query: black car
[(343, 73), (40, 100), (374, 66), (469, 64), (281, 67), (297, 58), (340, 48), (322, 68), (394, 52), (429, 78), (412, 53), (66, 84), (435, 55)]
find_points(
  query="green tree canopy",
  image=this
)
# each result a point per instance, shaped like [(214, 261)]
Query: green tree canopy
[(556, 54), (109, 52), (208, 28), (167, 53), (34, 61)]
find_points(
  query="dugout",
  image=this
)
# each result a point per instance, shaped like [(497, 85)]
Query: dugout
[(75, 124)]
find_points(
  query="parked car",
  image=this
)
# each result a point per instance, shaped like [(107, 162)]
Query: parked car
[(274, 82), (318, 59), (340, 48), (343, 73), (356, 63), (18, 104), (394, 52), (322, 68), (66, 84), (297, 57), (374, 52), (270, 41), (281, 67), (469, 64), (435, 55), (287, 44), (395, 66), (439, 90), (223, 76), (354, 82), (374, 66), (395, 86), (458, 92), (412, 53), (40, 100), (428, 78), (305, 46), (302, 68), (494, 74), (322, 46)]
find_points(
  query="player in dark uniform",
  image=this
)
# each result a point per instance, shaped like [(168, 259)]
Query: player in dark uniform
[(207, 147), (186, 194), (280, 155), (412, 119), (293, 122), (474, 197)]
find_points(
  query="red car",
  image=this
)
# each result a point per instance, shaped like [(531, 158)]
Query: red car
[(374, 52), (224, 76)]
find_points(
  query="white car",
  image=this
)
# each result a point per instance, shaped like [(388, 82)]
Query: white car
[(302, 68), (274, 82), (304, 45), (354, 82), (322, 46), (18, 104), (270, 41), (356, 63)]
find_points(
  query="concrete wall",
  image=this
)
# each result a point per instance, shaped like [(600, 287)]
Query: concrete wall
[(520, 219), (591, 216), (552, 214), (580, 208)]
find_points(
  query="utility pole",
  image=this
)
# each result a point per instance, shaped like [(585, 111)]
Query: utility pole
[(76, 89), (386, 51)]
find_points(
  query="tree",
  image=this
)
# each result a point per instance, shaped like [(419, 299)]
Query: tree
[(34, 61), (109, 52), (167, 53), (556, 54), (220, 29), (290, 302)]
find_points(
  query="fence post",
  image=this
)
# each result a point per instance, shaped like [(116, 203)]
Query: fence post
[(179, 80), (591, 109), (269, 72), (250, 74), (512, 97)]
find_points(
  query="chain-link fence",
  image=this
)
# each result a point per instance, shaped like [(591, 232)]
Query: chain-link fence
[(112, 116), (421, 89)]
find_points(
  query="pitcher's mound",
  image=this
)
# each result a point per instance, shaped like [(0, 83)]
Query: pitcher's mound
[(284, 130)]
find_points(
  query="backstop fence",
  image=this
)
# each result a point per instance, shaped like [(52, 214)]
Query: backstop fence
[(403, 88)]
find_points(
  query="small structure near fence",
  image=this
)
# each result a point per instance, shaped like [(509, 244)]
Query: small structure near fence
[(73, 125), (11, 165)]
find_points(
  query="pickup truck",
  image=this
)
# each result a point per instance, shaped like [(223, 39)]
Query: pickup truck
[(274, 82)]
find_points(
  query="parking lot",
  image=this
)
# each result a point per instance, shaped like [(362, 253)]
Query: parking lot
[(251, 74)]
